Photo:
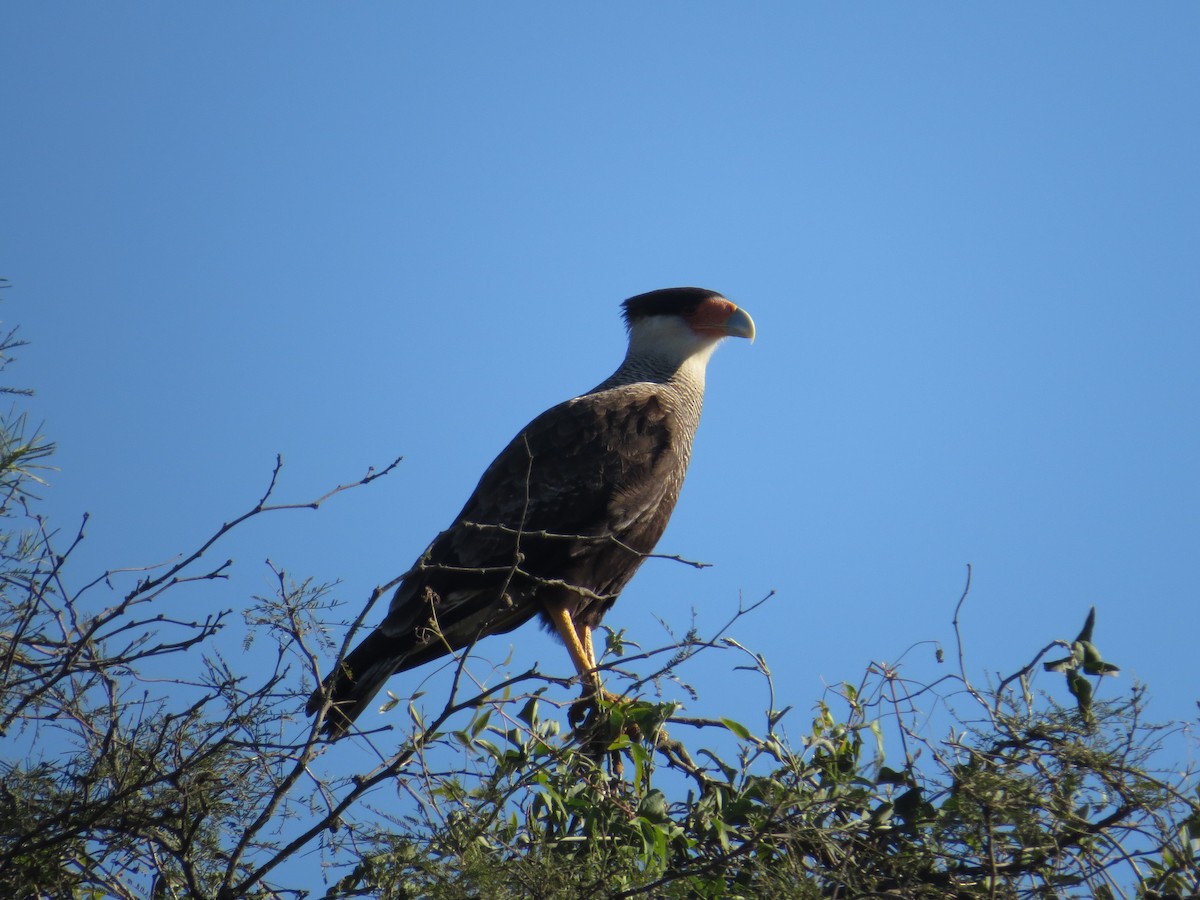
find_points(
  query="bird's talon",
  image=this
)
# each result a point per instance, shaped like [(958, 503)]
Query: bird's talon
[(593, 709)]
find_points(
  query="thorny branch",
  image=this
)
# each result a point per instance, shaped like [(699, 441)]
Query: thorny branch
[(606, 538)]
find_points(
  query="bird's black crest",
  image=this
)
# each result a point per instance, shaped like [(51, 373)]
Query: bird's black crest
[(679, 301)]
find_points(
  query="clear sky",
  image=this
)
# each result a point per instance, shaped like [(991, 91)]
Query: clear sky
[(969, 235)]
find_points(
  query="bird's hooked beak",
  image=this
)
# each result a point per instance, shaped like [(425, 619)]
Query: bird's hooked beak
[(722, 318), (739, 324)]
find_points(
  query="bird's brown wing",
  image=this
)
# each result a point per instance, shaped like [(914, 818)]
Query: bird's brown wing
[(566, 512), (571, 505)]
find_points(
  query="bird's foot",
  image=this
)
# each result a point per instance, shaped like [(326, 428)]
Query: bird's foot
[(598, 719), (593, 702)]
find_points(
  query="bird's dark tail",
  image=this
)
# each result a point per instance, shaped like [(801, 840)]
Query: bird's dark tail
[(351, 687)]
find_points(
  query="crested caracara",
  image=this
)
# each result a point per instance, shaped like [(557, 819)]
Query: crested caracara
[(563, 517)]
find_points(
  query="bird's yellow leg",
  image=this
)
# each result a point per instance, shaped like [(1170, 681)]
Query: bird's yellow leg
[(585, 638), (578, 639), (587, 711), (570, 633)]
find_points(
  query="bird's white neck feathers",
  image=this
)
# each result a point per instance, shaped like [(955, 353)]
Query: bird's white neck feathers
[(666, 348)]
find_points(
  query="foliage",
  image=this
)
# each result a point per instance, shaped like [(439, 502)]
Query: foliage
[(1032, 801), (139, 761)]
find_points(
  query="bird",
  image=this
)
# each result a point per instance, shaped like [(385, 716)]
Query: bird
[(565, 515)]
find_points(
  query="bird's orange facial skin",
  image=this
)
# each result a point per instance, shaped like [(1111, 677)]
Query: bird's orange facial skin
[(710, 317)]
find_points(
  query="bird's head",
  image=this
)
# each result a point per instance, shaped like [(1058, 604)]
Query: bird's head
[(682, 324)]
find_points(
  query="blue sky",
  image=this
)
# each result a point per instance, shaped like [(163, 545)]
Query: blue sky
[(968, 235)]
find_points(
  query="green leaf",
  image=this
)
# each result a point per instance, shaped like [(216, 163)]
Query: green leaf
[(1081, 689), (653, 806), (1090, 623), (737, 728), (881, 814), (888, 775), (480, 723), (528, 713), (489, 748), (727, 770)]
